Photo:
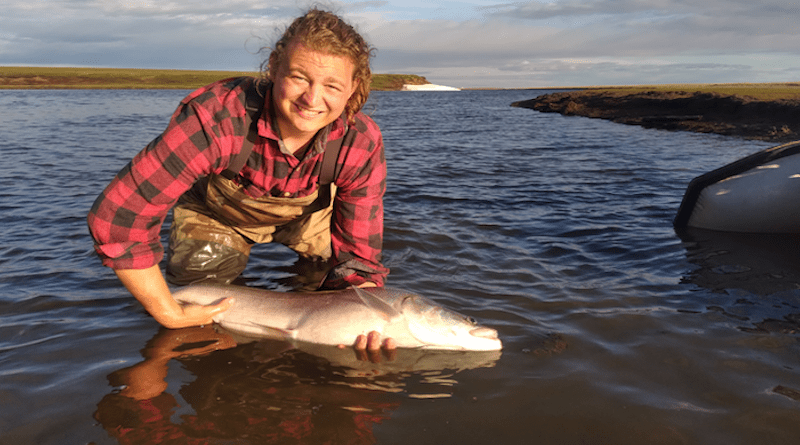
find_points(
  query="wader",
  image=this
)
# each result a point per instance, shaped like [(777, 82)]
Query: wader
[(215, 223)]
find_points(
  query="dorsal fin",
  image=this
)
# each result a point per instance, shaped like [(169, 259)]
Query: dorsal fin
[(375, 303)]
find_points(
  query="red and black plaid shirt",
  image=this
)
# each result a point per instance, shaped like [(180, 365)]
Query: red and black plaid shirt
[(204, 135)]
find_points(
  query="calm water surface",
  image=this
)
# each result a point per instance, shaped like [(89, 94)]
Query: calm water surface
[(554, 230)]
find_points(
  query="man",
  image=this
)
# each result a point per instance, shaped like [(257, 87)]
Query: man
[(318, 79)]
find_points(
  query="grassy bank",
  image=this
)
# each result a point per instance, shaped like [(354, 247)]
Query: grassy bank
[(757, 91), (113, 78), (393, 82)]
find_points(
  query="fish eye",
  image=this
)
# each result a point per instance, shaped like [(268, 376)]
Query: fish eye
[(472, 320)]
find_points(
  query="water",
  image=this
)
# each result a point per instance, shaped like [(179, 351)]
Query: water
[(554, 230)]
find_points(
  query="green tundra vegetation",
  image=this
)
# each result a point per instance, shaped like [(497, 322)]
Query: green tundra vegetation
[(757, 91), (116, 78), (120, 78)]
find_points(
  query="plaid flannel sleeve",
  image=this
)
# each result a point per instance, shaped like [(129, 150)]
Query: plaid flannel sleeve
[(125, 220), (357, 222)]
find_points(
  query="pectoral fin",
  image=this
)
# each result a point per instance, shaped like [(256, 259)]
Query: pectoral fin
[(273, 332), (383, 309)]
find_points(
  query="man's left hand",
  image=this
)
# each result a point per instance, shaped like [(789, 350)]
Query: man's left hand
[(368, 347)]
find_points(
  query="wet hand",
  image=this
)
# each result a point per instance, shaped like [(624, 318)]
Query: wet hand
[(369, 347), (149, 288), (194, 315)]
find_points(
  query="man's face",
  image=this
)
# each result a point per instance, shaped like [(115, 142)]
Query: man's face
[(310, 91)]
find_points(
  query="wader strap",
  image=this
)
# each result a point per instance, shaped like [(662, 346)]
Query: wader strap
[(254, 102), (328, 173)]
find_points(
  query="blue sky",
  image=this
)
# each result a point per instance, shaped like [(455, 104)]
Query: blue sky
[(520, 44)]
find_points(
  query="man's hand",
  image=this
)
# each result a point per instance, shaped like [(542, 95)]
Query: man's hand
[(372, 343), (368, 347), (194, 315), (150, 288)]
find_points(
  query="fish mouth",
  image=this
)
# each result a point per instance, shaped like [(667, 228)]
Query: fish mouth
[(484, 332)]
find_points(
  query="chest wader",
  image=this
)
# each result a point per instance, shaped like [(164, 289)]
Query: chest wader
[(216, 223)]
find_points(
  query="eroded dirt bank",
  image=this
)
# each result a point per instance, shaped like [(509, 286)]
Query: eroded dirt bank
[(773, 120)]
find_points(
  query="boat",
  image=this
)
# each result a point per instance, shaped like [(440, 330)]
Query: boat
[(759, 193)]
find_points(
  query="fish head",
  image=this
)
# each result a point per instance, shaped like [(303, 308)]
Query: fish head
[(441, 328)]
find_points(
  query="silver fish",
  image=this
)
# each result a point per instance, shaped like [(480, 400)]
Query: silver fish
[(338, 317)]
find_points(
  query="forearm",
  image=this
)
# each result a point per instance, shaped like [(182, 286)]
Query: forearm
[(150, 289)]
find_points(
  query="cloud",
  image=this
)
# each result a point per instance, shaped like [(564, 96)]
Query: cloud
[(744, 9), (575, 72), (465, 42), (643, 37), (190, 34), (669, 26)]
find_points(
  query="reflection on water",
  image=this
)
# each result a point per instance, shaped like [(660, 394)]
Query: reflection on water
[(762, 264), (262, 394), (267, 390), (765, 266)]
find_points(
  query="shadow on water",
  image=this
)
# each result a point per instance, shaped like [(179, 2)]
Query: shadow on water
[(759, 272), (233, 388)]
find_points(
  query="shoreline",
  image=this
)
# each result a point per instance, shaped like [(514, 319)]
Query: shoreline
[(766, 111), (40, 78), (766, 114)]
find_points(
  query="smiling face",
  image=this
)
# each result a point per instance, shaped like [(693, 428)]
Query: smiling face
[(311, 90)]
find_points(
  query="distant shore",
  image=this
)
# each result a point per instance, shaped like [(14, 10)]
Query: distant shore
[(120, 78), (768, 112)]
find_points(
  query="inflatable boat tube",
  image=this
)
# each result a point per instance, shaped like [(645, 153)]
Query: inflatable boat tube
[(756, 194)]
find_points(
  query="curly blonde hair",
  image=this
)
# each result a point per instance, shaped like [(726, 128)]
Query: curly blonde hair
[(326, 32)]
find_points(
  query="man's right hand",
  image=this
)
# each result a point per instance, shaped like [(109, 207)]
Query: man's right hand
[(149, 287)]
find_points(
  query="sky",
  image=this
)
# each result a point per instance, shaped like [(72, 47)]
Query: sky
[(466, 44)]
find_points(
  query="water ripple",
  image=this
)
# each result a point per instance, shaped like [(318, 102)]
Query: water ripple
[(555, 230)]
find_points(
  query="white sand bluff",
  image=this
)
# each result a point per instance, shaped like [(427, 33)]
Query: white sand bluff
[(428, 87)]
